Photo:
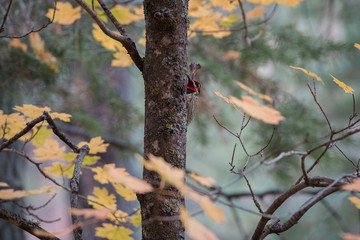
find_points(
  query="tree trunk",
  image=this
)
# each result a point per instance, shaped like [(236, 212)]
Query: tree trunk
[(165, 111)]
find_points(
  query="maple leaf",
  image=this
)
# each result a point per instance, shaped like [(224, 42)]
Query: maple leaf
[(96, 145), (172, 175), (226, 5), (289, 3), (311, 74), (252, 92), (255, 13), (346, 88), (41, 136), (118, 216), (8, 194), (61, 116), (49, 151), (350, 236), (252, 107), (125, 192), (195, 229), (103, 197), (38, 46), (214, 212), (355, 201), (60, 170), (103, 173), (130, 182), (224, 98), (136, 220), (3, 184), (198, 8), (16, 43), (65, 13), (125, 15), (30, 111), (121, 59), (100, 214), (90, 160), (113, 232), (205, 181), (357, 46), (354, 186), (105, 40), (232, 55), (12, 124)]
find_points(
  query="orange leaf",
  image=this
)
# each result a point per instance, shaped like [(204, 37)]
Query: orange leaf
[(252, 92), (232, 55), (350, 236), (8, 194), (311, 74), (100, 214), (255, 13), (354, 186), (205, 181), (355, 201), (15, 43), (346, 88), (195, 229), (357, 46), (252, 107)]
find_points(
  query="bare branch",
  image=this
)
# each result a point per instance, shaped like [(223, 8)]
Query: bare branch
[(50, 21), (127, 42), (246, 39), (5, 17), (26, 225), (74, 185)]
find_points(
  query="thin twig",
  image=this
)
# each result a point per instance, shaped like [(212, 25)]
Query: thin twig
[(246, 39), (50, 21), (257, 204), (5, 17)]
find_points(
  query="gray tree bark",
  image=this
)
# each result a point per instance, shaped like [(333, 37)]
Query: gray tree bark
[(165, 81)]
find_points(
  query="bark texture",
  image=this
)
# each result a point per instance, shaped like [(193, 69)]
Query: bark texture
[(165, 81)]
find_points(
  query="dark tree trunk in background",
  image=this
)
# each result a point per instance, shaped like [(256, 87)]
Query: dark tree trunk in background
[(165, 115)]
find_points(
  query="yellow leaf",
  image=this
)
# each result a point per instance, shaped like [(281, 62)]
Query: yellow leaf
[(252, 92), (136, 220), (350, 236), (65, 13), (126, 193), (125, 16), (255, 13), (90, 160), (8, 194), (214, 212), (346, 88), (354, 186), (103, 197), (70, 157), (226, 5), (113, 232), (105, 40), (311, 74), (49, 151), (198, 9), (252, 107), (15, 43), (96, 145), (355, 201), (100, 214), (195, 229), (224, 98), (103, 175), (289, 3), (357, 46), (38, 46), (118, 217), (41, 136), (130, 182), (97, 7), (12, 124), (61, 116), (60, 170), (205, 181), (30, 111), (3, 184), (121, 59), (172, 175), (232, 55)]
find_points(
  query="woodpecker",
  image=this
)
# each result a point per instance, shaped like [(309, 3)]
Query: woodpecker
[(192, 94)]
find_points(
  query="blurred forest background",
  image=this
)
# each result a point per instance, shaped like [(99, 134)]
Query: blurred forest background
[(109, 102)]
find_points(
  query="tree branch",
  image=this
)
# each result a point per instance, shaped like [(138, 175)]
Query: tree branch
[(74, 186), (127, 42), (26, 225)]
